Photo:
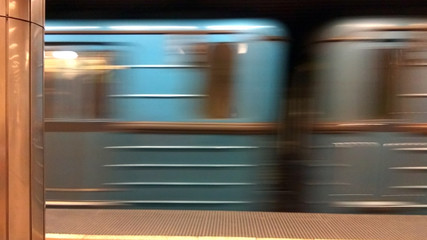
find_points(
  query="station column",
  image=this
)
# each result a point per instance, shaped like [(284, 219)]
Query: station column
[(21, 120)]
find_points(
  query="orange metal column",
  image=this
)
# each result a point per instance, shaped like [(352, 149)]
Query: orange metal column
[(21, 136)]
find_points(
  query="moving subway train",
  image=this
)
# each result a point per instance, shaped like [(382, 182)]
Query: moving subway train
[(365, 110), (186, 115), (163, 114)]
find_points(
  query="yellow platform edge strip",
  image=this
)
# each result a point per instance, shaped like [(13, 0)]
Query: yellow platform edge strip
[(61, 236)]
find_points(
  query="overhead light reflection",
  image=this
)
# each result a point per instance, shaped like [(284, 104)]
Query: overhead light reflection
[(236, 27), (12, 5), (143, 27), (368, 25), (242, 48), (64, 54), (13, 45), (50, 28)]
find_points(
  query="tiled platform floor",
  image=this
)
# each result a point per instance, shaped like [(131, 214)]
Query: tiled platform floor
[(215, 225)]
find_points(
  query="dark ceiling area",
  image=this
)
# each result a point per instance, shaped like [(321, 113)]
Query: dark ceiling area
[(301, 16), (286, 10)]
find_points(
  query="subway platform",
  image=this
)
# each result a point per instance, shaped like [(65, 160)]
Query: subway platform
[(114, 224)]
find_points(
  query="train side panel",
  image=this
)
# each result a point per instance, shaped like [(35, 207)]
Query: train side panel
[(178, 121)]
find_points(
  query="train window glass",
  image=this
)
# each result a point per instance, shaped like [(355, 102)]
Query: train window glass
[(358, 83), (186, 49), (220, 76), (76, 84), (387, 80), (412, 88), (344, 82)]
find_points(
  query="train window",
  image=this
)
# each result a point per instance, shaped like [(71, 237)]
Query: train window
[(401, 89), (220, 76), (358, 83), (387, 80), (411, 94), (76, 84), (189, 49)]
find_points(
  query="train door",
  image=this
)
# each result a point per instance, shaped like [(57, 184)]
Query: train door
[(344, 152), (78, 75), (404, 179)]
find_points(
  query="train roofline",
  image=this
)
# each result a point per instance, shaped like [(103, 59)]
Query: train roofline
[(357, 29), (217, 26)]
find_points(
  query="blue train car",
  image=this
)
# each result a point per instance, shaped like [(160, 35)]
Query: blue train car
[(163, 114), (366, 116)]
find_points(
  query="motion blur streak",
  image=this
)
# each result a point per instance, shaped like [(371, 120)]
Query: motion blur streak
[(163, 114), (360, 109)]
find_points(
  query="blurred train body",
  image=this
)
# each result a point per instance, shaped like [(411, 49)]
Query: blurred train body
[(364, 101), (185, 115), (163, 114)]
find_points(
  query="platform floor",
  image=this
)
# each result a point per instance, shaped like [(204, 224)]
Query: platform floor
[(215, 225)]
